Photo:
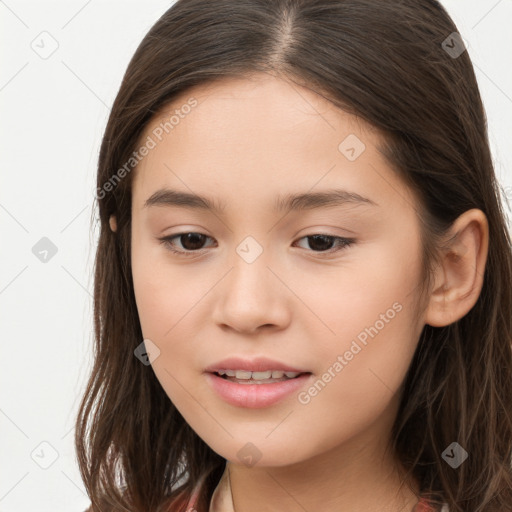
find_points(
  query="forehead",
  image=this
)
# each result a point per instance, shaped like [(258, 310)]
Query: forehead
[(247, 136), (264, 100)]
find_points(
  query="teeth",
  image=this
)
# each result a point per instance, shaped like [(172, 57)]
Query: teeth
[(246, 375), (229, 373), (262, 375), (243, 374)]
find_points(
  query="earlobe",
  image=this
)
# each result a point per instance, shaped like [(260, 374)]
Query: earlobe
[(113, 223), (460, 273)]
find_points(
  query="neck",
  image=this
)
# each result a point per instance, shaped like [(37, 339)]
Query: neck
[(368, 479)]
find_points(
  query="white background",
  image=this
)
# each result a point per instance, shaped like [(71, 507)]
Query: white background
[(53, 113)]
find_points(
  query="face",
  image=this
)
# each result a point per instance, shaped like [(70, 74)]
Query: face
[(324, 285)]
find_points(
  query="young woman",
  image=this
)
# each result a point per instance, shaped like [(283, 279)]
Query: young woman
[(303, 277)]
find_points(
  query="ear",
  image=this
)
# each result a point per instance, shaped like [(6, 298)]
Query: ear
[(460, 273), (113, 223)]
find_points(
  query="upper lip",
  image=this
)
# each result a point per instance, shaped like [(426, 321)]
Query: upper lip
[(257, 364)]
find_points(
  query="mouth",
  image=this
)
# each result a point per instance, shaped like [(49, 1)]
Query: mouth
[(261, 377), (255, 390), (255, 382)]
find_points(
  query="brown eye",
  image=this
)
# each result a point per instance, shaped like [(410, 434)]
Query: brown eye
[(325, 243), (190, 242)]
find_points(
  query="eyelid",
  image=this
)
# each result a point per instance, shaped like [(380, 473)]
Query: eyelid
[(166, 242), (345, 242)]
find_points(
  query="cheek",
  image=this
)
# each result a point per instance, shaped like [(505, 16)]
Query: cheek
[(374, 292), (374, 331), (165, 293), (173, 301), (365, 364), (167, 301)]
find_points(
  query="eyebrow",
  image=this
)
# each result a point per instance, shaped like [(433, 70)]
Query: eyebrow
[(286, 203)]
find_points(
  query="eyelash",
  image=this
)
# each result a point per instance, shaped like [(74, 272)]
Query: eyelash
[(343, 243)]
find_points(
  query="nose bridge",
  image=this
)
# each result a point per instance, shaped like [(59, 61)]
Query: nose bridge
[(250, 294), (248, 283)]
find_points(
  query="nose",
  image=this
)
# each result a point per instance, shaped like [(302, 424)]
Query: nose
[(251, 297)]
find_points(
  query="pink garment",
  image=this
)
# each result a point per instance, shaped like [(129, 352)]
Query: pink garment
[(221, 498), (222, 501)]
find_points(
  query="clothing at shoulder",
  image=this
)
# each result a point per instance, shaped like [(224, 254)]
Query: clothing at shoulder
[(220, 502), (425, 506), (221, 498)]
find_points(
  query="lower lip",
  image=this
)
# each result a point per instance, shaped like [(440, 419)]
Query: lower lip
[(255, 396)]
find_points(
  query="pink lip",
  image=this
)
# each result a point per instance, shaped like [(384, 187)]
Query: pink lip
[(258, 364), (255, 396)]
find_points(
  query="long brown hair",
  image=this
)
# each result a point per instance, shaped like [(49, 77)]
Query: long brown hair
[(386, 61)]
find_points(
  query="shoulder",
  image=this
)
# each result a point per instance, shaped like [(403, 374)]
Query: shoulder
[(187, 499), (424, 505), (192, 501)]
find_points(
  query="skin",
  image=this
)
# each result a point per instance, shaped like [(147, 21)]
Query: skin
[(247, 141)]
